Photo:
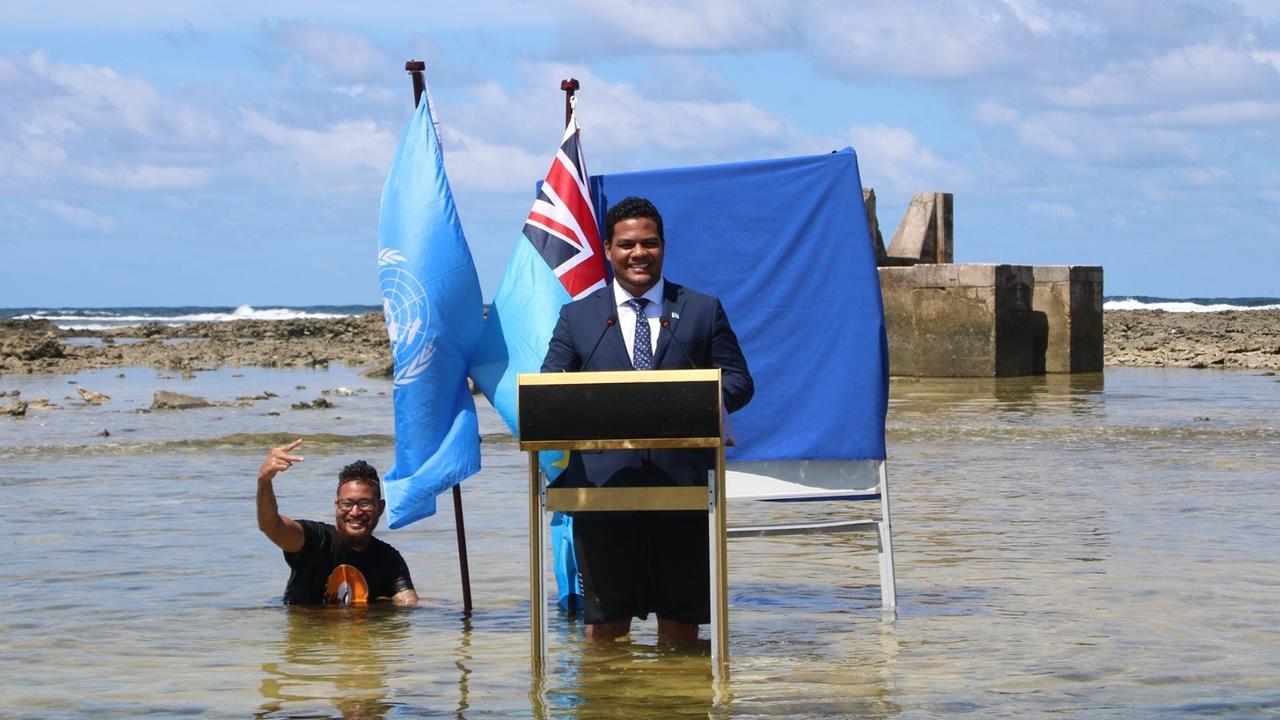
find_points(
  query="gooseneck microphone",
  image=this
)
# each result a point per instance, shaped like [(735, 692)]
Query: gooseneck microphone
[(608, 323), (666, 325)]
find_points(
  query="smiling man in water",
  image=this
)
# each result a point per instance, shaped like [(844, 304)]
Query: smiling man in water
[(314, 549)]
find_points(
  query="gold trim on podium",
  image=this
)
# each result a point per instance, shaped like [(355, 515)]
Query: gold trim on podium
[(720, 571), (600, 377), (631, 498), (537, 573)]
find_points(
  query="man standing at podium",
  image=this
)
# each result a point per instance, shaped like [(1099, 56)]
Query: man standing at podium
[(634, 563)]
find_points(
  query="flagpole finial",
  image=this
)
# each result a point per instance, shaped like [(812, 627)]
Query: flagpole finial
[(415, 68), (569, 87)]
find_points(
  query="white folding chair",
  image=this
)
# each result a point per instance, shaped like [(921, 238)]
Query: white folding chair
[(856, 492)]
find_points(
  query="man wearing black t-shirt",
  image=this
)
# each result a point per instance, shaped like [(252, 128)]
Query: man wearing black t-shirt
[(314, 549)]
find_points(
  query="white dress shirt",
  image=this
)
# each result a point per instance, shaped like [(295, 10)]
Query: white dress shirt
[(627, 316)]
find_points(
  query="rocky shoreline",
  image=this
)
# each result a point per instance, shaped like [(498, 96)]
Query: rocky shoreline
[(1134, 338), (1234, 339), (28, 346)]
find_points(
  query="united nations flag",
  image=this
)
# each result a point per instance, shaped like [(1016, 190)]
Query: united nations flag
[(433, 307)]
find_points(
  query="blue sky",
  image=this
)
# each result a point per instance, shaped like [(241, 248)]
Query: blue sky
[(223, 153)]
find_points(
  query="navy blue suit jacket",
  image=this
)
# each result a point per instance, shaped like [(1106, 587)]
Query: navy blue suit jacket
[(694, 333)]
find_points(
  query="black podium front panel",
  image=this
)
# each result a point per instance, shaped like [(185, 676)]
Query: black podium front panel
[(594, 410)]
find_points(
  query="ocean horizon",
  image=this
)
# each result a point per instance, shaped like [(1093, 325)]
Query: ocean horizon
[(105, 318)]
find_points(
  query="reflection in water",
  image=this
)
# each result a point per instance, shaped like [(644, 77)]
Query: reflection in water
[(627, 679), (1015, 396), (346, 657), (338, 654), (463, 663)]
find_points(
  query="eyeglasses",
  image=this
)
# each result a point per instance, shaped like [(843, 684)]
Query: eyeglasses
[(346, 505)]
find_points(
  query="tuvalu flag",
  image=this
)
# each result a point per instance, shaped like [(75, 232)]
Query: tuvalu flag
[(433, 309), (558, 259)]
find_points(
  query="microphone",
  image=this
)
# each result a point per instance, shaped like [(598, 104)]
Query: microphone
[(610, 322), (666, 325)]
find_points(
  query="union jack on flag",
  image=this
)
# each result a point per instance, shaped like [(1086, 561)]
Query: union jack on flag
[(562, 223)]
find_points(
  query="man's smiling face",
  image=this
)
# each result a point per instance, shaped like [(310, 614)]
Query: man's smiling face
[(358, 508), (635, 252)]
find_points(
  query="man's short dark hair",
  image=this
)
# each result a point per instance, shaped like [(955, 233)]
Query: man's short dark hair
[(360, 471), (628, 208)]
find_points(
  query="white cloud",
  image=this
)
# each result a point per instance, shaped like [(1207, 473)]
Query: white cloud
[(623, 127), (1048, 137), (990, 112), (1090, 140), (1256, 113), (1268, 57), (45, 15), (675, 25), (1009, 58), (480, 165), (1053, 210), (944, 41), (934, 40), (1031, 15), (96, 99), (893, 159), (69, 123), (1266, 10), (336, 158), (1204, 177), (683, 78), (80, 217), (1199, 73), (1121, 87), (148, 177), (341, 54), (91, 127)]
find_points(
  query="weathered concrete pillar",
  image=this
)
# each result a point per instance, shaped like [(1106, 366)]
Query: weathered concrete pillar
[(873, 224), (925, 232), (1066, 309), (966, 320)]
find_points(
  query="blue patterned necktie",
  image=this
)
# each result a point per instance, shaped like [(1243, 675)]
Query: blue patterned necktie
[(642, 350)]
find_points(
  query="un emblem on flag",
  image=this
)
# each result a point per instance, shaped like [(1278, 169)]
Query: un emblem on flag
[(406, 309)]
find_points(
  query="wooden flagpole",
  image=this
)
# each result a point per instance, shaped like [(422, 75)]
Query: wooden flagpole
[(569, 87), (416, 68)]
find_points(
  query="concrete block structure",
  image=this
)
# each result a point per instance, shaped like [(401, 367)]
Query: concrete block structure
[(925, 232), (1066, 306), (873, 224), (969, 320), (979, 320)]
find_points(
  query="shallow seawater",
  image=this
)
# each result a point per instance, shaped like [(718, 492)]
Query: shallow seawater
[(1081, 546)]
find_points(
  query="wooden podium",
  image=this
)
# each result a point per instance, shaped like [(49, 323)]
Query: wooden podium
[(624, 410)]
